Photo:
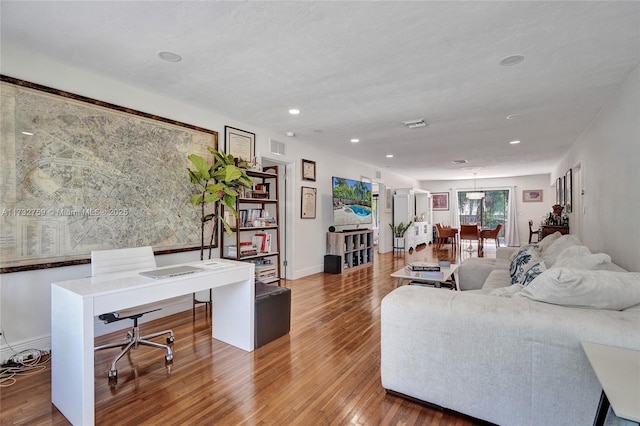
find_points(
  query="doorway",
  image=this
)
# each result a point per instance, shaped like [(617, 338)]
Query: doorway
[(285, 169)]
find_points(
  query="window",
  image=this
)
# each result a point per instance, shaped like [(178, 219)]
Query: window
[(487, 212)]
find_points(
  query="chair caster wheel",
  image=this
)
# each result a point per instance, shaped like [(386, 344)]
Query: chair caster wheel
[(113, 376), (168, 358), (170, 339)]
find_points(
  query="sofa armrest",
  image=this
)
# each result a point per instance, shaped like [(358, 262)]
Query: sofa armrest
[(472, 273), (505, 252), (506, 361)]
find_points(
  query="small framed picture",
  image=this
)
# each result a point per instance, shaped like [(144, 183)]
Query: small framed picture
[(240, 144), (440, 200), (532, 196), (308, 170), (308, 203), (568, 192)]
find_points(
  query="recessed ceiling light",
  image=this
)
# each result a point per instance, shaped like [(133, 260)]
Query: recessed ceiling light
[(460, 161), (165, 55), (354, 140), (290, 134), (512, 60), (514, 142), (294, 111), (513, 116), (389, 155), (27, 133)]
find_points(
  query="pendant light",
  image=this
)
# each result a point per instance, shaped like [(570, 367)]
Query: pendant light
[(475, 195)]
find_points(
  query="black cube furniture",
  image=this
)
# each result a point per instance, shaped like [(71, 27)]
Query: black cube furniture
[(273, 313), (332, 264)]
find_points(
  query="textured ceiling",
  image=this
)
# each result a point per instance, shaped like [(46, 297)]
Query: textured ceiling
[(358, 69)]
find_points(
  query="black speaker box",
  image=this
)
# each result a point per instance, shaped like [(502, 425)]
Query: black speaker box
[(332, 264)]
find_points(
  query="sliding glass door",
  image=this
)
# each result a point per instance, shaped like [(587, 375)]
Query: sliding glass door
[(487, 212)]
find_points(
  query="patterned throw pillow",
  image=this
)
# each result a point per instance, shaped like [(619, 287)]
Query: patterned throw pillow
[(521, 263), (536, 269)]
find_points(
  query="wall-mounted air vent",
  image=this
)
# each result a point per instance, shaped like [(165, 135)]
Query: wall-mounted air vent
[(412, 124), (276, 147)]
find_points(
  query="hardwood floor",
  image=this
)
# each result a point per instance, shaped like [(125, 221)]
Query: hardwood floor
[(325, 372)]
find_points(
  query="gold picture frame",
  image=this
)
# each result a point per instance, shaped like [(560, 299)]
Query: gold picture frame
[(308, 203), (532, 196)]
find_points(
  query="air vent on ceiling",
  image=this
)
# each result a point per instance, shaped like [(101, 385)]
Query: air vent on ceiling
[(276, 147), (412, 124)]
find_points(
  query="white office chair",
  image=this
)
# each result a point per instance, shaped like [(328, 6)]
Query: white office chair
[(109, 261)]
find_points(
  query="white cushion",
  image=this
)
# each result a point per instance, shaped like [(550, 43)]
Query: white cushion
[(573, 251), (585, 289), (591, 261), (506, 291), (550, 254), (547, 241)]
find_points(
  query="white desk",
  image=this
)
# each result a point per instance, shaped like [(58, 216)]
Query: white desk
[(618, 371), (75, 303)]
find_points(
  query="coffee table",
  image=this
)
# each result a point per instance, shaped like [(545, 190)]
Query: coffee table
[(426, 277)]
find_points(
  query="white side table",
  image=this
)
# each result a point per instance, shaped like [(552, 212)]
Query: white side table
[(618, 371)]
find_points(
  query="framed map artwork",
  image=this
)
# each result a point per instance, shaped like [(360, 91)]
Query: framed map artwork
[(80, 174)]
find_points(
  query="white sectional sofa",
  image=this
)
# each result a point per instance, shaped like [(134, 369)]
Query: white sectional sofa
[(510, 360)]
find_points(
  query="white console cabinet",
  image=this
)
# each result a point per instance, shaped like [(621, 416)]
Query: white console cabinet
[(414, 205)]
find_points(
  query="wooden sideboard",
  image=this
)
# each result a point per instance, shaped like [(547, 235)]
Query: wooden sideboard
[(550, 229)]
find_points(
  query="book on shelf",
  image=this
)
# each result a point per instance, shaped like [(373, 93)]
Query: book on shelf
[(246, 249), (423, 266)]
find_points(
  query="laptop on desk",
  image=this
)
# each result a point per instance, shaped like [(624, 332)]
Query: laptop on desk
[(170, 272)]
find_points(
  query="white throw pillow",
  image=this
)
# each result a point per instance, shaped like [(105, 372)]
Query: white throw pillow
[(585, 289), (573, 251), (551, 253), (591, 261), (547, 241), (506, 291)]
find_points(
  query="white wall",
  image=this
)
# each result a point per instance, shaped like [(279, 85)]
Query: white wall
[(526, 211), (25, 296), (608, 153)]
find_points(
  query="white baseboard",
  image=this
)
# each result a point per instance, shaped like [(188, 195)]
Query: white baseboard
[(43, 343)]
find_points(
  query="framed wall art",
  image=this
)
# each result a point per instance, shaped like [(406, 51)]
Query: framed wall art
[(308, 170), (308, 203), (532, 196), (568, 192), (440, 201), (99, 176), (241, 144)]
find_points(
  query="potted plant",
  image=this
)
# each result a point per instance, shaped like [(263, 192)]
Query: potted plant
[(398, 232), (217, 184)]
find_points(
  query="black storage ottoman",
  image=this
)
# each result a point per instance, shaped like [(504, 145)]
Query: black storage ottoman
[(272, 313)]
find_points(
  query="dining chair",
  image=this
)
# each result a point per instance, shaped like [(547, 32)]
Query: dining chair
[(532, 232), (491, 234), (471, 233), (120, 260), (445, 233)]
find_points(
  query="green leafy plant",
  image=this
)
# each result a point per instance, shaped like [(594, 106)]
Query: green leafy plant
[(400, 229), (217, 184)]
